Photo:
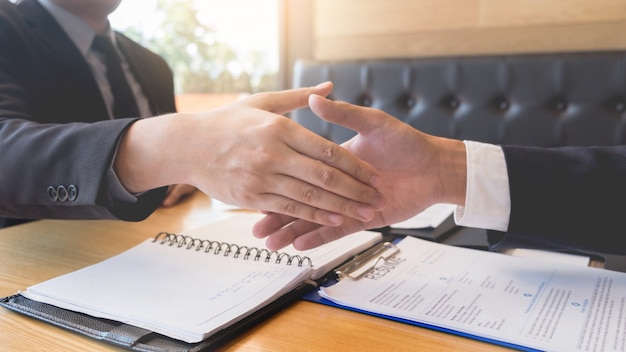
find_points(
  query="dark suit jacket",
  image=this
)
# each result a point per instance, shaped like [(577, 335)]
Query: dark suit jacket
[(54, 128), (571, 196)]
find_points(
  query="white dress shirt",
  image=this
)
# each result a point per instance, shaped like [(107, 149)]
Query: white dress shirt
[(488, 201)]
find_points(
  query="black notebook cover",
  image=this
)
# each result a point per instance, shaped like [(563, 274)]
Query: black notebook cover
[(138, 339)]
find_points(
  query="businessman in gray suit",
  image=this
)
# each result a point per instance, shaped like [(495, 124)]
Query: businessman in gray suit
[(66, 153)]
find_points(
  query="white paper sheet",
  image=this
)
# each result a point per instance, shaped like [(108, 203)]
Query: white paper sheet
[(186, 293), (533, 303)]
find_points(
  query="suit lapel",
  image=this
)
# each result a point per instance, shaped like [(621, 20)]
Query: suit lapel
[(60, 48), (148, 75), (61, 53), (137, 67), (52, 36)]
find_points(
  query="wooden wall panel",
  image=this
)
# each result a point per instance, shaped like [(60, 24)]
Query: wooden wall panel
[(507, 13), (342, 18), (357, 29)]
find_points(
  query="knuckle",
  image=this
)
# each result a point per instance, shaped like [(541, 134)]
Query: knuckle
[(330, 152), (290, 207), (273, 121), (262, 159), (259, 159), (319, 216), (248, 189), (362, 172), (347, 207), (365, 195), (309, 195), (271, 125), (327, 177)]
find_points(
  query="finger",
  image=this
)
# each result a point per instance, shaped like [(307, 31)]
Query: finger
[(276, 203), (270, 223), (305, 235), (172, 197), (169, 200), (288, 100), (326, 234), (177, 192), (357, 118), (338, 171), (325, 187), (286, 235)]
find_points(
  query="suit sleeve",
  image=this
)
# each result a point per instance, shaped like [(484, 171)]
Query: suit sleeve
[(53, 170), (39, 160), (569, 196)]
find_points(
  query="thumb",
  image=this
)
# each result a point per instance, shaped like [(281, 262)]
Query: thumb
[(354, 117), (287, 100)]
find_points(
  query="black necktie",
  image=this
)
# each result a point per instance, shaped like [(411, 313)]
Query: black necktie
[(124, 104)]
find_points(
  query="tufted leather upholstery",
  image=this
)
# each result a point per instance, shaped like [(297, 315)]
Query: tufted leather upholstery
[(540, 100)]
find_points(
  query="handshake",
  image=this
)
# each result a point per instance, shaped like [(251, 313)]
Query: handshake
[(312, 190)]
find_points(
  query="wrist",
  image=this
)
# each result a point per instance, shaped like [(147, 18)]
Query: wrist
[(141, 154), (452, 170)]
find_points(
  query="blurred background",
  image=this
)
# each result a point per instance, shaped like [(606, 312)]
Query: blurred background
[(220, 49), (217, 49)]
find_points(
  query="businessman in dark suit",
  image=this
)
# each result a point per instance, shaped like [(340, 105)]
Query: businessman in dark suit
[(47, 74), (66, 153), (572, 197)]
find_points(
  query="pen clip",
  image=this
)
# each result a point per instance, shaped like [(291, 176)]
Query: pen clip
[(366, 261)]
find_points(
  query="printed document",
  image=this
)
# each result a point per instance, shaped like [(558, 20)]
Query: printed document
[(535, 304)]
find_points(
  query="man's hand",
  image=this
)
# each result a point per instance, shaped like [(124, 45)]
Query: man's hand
[(248, 154), (418, 170)]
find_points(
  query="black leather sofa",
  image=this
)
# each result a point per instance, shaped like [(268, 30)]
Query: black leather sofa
[(539, 100), (543, 100)]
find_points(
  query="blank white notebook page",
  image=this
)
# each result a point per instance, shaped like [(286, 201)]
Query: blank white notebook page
[(187, 293)]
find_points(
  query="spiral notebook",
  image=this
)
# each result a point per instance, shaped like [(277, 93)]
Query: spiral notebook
[(193, 285)]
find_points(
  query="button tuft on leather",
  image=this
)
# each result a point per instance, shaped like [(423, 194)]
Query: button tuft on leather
[(560, 105), (365, 101), (409, 101), (72, 192), (453, 103), (52, 193)]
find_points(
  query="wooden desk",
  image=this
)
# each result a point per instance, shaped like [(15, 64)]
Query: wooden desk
[(37, 251)]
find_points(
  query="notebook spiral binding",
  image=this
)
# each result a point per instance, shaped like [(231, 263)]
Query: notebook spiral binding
[(188, 242)]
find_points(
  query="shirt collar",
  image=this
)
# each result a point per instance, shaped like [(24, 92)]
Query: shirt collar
[(79, 32)]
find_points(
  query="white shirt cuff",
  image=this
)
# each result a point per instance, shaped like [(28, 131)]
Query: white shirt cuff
[(487, 201)]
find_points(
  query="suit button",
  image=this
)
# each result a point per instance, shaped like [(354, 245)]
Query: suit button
[(72, 193), (62, 193), (52, 194)]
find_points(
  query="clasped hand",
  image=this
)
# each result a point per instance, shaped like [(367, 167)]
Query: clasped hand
[(247, 154), (418, 170)]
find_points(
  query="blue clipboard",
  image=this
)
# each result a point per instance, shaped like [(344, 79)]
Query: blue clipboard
[(313, 296)]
